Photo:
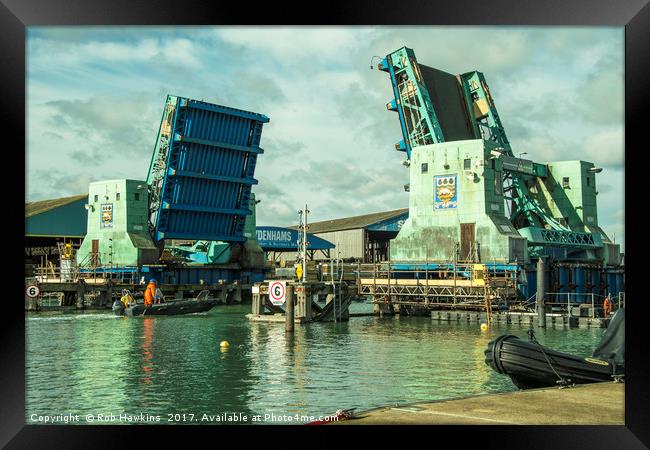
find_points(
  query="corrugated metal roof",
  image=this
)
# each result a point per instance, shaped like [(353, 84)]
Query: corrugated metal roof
[(351, 223), (35, 208)]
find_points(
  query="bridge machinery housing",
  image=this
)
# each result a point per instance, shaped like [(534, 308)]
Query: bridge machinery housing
[(192, 221), (473, 202)]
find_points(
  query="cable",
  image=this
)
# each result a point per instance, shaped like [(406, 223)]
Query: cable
[(533, 339)]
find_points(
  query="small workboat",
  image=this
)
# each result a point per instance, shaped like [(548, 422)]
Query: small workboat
[(203, 302), (531, 365)]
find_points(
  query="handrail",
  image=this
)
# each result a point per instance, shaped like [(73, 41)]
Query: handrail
[(74, 273)]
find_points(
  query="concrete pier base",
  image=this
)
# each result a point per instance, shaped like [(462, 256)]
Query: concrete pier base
[(305, 305), (100, 293), (273, 318), (596, 322), (386, 309), (588, 404), (516, 318)]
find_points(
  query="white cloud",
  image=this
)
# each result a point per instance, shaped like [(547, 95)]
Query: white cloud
[(606, 148), (292, 43), (50, 53)]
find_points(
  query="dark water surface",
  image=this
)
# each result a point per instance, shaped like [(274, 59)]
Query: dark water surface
[(95, 363)]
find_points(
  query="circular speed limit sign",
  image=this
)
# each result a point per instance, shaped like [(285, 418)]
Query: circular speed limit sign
[(277, 292), (32, 291)]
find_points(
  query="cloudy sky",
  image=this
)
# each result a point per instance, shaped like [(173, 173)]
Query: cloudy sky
[(95, 97)]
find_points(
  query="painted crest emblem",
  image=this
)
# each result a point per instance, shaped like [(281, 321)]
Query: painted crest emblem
[(445, 192), (107, 215)]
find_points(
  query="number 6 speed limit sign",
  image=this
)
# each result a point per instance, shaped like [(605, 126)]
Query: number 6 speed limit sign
[(277, 292), (32, 291)]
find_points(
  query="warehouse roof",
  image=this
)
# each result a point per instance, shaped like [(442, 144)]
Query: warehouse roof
[(351, 223), (35, 208)]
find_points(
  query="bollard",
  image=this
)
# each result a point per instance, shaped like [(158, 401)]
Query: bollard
[(81, 291), (289, 323), (258, 304), (541, 310)]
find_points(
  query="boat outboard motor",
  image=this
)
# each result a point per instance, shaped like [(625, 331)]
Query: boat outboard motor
[(611, 347), (118, 307)]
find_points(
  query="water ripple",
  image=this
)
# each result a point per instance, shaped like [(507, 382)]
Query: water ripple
[(89, 363)]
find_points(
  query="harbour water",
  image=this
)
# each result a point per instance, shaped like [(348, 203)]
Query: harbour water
[(120, 370)]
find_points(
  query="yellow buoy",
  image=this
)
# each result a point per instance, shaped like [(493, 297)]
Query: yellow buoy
[(484, 327), (224, 344)]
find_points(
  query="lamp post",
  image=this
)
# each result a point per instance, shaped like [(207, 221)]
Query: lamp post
[(303, 244), (372, 59)]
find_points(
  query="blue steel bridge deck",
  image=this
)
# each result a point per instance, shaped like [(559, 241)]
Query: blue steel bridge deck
[(202, 170)]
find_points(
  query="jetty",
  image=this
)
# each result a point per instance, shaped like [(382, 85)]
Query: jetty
[(588, 404)]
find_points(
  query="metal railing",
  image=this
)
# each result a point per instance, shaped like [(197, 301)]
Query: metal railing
[(431, 283), (89, 273), (50, 299), (51, 274), (582, 298)]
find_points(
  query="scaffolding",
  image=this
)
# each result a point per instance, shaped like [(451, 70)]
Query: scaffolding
[(434, 285)]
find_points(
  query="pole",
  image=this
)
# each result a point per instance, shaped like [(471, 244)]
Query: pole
[(289, 315), (358, 278), (334, 293), (304, 246), (389, 286), (541, 313), (374, 288), (592, 305), (455, 263), (341, 290), (426, 279)]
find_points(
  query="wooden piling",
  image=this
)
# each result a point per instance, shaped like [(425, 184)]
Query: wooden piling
[(81, 291), (257, 303), (289, 315)]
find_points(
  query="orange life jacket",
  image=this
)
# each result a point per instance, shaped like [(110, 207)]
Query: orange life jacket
[(149, 294), (607, 306)]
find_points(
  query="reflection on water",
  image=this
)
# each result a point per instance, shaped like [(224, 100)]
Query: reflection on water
[(97, 363), (147, 369)]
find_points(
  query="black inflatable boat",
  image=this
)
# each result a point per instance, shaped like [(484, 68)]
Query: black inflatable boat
[(201, 303), (531, 365)]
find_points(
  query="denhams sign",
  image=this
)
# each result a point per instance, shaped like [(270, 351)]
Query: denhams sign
[(284, 238), (276, 237)]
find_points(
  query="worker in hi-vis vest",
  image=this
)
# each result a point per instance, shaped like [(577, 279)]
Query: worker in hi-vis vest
[(607, 307), (127, 299), (150, 292)]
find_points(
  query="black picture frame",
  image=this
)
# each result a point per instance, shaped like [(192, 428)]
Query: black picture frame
[(634, 15)]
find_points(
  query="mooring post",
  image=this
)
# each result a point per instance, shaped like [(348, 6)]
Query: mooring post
[(541, 310), (289, 315), (81, 291), (258, 305), (108, 294)]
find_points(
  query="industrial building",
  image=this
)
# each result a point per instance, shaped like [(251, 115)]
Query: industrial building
[(472, 203), (363, 238), (50, 223)]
